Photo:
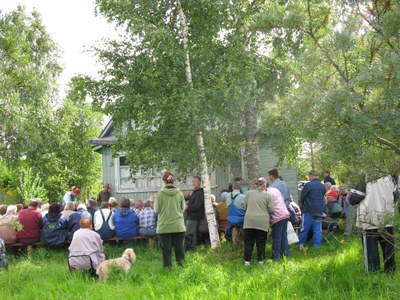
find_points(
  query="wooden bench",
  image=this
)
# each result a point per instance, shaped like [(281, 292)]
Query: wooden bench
[(29, 247)]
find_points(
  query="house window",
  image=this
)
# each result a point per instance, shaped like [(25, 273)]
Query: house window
[(146, 182)]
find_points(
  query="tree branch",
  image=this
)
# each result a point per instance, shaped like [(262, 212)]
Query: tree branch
[(391, 145)]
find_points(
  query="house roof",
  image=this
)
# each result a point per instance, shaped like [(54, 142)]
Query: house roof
[(106, 137)]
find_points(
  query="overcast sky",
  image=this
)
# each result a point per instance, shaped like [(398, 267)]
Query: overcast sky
[(73, 25)]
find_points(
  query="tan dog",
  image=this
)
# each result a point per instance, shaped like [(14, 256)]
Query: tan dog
[(125, 262)]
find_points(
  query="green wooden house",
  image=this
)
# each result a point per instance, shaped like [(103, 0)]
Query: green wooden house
[(140, 186)]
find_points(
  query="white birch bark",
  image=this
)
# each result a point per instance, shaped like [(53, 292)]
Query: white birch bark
[(205, 176)]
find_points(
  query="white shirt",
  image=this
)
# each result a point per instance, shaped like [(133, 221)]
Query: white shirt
[(98, 220), (377, 209)]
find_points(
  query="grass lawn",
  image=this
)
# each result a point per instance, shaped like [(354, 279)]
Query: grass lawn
[(334, 271)]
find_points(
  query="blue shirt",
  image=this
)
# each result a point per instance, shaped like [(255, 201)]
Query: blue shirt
[(283, 188), (312, 197), (329, 179), (126, 222)]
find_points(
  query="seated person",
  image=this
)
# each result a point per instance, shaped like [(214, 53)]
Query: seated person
[(55, 228), (104, 214), (222, 214), (8, 224), (113, 203), (332, 203), (31, 219), (86, 249), (147, 220), (75, 218), (92, 206), (295, 213), (69, 209), (126, 221), (3, 210)]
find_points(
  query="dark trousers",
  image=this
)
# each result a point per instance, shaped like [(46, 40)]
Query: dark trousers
[(386, 240), (259, 237), (191, 234), (280, 244), (169, 240)]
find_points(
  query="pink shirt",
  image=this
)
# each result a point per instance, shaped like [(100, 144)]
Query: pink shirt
[(281, 212)]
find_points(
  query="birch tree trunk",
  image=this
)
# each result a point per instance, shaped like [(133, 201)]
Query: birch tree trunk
[(205, 176)]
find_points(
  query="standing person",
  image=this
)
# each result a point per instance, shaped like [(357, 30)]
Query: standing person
[(259, 206), (236, 210), (328, 178), (312, 200), (31, 219), (375, 216), (279, 184), (195, 213), (70, 196), (104, 195), (169, 205), (279, 221)]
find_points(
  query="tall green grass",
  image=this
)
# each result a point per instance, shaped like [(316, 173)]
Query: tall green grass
[(334, 271)]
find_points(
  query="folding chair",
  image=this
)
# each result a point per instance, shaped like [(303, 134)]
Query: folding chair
[(330, 223)]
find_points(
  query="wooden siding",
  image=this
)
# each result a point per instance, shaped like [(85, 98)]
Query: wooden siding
[(223, 175), (108, 168), (268, 160)]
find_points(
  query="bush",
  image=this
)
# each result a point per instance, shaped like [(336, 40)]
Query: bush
[(30, 186)]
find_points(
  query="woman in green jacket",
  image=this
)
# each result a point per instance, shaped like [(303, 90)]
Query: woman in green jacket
[(169, 206), (259, 206)]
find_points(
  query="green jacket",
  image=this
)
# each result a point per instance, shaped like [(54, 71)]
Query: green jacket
[(259, 206), (169, 206)]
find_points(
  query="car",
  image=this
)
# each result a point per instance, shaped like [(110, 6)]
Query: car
[(301, 184)]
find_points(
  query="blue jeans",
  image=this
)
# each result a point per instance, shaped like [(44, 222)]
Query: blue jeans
[(280, 244), (147, 231), (314, 221)]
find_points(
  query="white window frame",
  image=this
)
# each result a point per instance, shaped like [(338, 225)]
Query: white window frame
[(141, 183)]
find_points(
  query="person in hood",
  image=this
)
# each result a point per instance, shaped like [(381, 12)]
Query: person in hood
[(126, 220), (55, 227), (169, 205)]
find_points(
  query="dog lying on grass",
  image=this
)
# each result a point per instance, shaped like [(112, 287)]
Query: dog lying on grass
[(124, 262)]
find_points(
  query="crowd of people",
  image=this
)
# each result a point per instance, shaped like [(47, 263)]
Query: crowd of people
[(178, 218), (53, 224)]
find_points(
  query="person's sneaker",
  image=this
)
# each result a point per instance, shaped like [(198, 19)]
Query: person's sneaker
[(247, 263), (260, 262)]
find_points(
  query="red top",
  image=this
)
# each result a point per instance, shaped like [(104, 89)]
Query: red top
[(32, 221)]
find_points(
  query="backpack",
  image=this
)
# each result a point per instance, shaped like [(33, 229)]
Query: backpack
[(105, 231), (55, 232), (356, 195), (3, 256)]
